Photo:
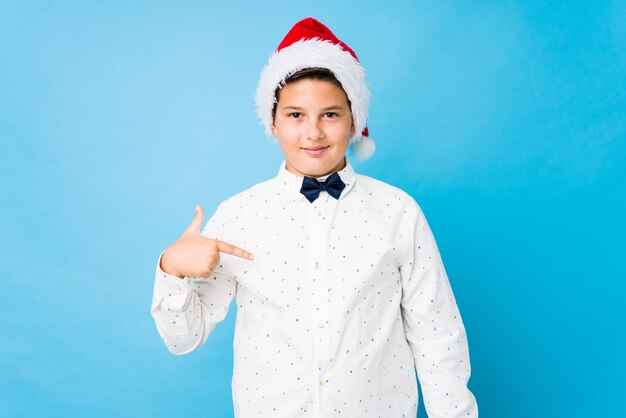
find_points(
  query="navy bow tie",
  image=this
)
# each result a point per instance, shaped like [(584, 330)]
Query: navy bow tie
[(311, 187)]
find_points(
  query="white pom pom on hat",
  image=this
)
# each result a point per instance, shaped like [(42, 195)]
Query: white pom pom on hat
[(311, 44)]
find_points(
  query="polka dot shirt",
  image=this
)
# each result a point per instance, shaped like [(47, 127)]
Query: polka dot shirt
[(345, 300)]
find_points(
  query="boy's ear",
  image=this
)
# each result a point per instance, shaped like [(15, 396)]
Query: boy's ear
[(274, 130), (352, 128)]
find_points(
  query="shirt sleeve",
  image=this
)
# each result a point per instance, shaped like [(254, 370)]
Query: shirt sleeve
[(433, 326), (187, 310)]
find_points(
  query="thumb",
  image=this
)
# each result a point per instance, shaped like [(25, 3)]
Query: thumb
[(196, 222)]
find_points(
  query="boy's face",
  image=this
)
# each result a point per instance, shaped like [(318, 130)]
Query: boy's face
[(313, 125)]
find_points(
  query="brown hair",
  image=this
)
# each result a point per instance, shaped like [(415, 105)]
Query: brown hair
[(311, 73)]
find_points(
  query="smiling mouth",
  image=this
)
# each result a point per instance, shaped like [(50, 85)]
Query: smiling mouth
[(315, 151)]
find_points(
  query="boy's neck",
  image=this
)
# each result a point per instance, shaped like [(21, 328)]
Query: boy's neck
[(298, 173)]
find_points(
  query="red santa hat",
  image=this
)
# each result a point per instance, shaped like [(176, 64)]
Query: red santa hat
[(311, 44)]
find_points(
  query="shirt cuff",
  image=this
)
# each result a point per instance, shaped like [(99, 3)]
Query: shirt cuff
[(171, 289)]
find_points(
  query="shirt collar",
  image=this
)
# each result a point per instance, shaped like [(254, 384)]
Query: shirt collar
[(294, 182)]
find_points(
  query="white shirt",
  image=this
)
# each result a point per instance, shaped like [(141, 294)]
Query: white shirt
[(344, 300)]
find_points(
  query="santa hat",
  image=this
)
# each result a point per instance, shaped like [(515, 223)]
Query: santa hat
[(311, 44)]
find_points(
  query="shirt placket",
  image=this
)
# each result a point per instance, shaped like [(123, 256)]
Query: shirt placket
[(319, 227)]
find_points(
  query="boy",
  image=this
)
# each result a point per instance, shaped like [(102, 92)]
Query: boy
[(346, 294)]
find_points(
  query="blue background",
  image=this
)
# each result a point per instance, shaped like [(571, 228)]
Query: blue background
[(504, 119)]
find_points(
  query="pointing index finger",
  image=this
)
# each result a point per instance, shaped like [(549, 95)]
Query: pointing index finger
[(233, 250)]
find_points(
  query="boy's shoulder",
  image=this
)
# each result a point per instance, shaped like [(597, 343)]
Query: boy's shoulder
[(379, 190), (393, 199), (259, 190), (384, 190)]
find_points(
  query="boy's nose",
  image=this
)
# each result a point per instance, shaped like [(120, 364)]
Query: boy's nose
[(314, 131)]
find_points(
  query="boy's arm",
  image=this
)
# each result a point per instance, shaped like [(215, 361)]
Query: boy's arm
[(433, 326), (187, 310)]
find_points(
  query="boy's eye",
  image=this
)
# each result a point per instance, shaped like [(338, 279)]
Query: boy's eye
[(294, 115), (331, 114)]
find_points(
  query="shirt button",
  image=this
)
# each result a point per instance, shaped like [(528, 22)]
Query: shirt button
[(318, 213), (317, 266), (322, 325), (322, 382)]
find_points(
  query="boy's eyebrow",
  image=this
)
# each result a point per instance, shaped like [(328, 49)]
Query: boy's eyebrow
[(336, 107)]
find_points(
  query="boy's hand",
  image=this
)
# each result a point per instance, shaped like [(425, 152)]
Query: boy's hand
[(194, 255)]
